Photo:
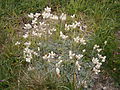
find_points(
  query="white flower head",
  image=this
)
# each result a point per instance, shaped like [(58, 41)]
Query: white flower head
[(37, 15), (73, 16), (47, 9), (45, 57), (28, 59), (31, 15), (103, 58), (95, 60), (35, 53), (27, 43), (82, 41), (96, 46), (52, 54), (57, 64), (35, 26), (84, 84), (27, 26), (67, 27), (54, 17), (79, 56), (96, 70), (71, 55), (58, 72), (100, 56), (34, 21), (77, 23), (77, 39), (63, 17), (53, 29), (38, 48), (63, 36), (17, 43), (77, 65), (46, 15), (34, 33), (25, 35), (83, 50), (105, 42), (98, 65), (99, 50)]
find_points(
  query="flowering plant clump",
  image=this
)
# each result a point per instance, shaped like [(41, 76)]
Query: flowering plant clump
[(59, 43)]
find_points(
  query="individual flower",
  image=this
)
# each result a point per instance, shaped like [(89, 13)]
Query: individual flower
[(105, 42), (77, 39), (17, 43), (46, 15), (79, 56), (27, 26), (63, 36), (73, 16), (99, 50), (34, 21), (73, 25), (49, 32), (96, 46), (58, 64), (95, 60), (38, 48), (103, 58), (51, 55), (83, 50), (58, 72), (45, 57), (53, 29), (35, 53), (54, 17), (37, 15), (71, 55), (27, 43), (82, 41), (63, 17), (84, 83), (35, 26), (100, 56), (77, 23), (31, 15), (67, 27), (98, 65), (25, 35), (77, 65), (42, 23), (96, 70), (34, 33), (28, 60), (47, 9)]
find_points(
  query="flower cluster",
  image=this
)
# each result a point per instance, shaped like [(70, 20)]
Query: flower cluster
[(49, 56), (79, 40), (75, 25), (98, 60), (27, 52)]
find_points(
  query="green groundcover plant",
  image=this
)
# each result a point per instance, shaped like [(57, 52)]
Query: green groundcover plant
[(56, 48)]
